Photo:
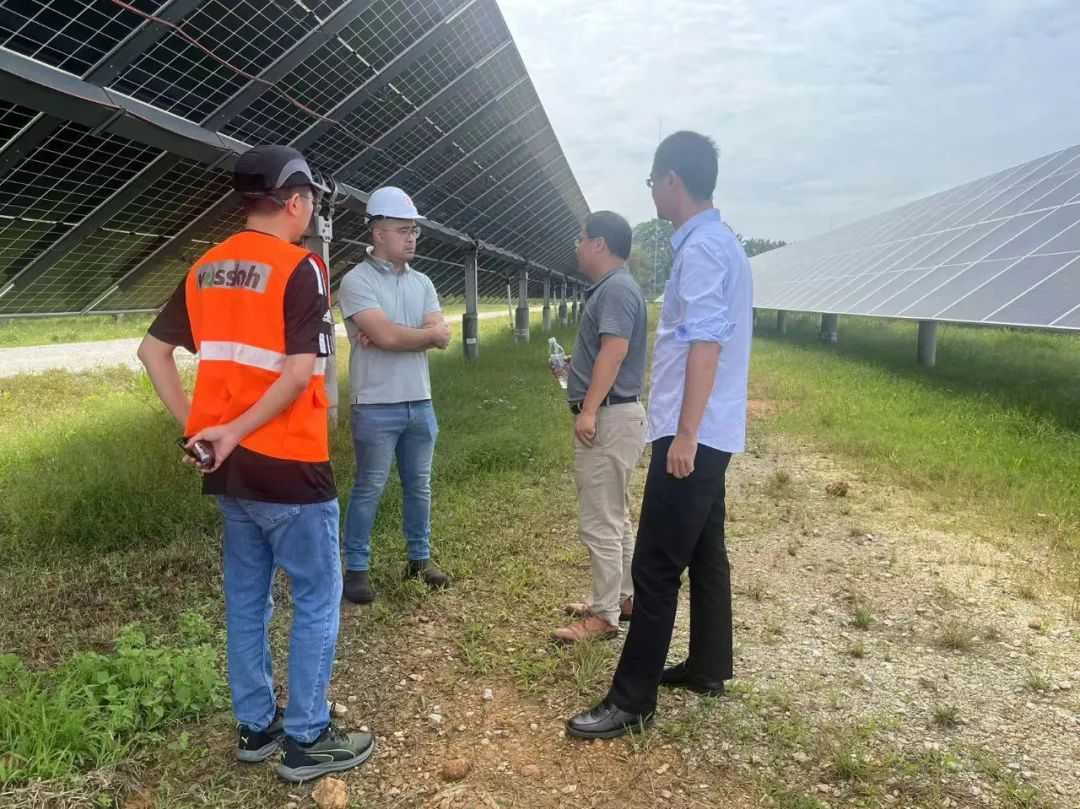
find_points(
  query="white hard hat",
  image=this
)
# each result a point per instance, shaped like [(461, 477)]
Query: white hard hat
[(393, 203)]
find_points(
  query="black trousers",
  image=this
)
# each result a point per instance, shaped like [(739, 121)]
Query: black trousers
[(682, 526)]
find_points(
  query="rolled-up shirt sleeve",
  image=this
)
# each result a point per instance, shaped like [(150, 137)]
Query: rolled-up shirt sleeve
[(701, 295)]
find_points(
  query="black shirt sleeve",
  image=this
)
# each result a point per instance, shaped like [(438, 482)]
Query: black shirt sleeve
[(172, 324), (309, 324)]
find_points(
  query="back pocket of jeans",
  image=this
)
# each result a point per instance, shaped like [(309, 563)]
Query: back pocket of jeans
[(268, 515)]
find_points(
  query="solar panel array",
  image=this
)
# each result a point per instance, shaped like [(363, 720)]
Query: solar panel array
[(1001, 250), (114, 171)]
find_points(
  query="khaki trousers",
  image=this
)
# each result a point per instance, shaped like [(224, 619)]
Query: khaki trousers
[(603, 473)]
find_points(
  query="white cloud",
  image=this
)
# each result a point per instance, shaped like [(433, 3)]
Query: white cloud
[(825, 112)]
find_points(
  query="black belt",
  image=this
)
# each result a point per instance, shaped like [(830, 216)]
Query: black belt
[(575, 407)]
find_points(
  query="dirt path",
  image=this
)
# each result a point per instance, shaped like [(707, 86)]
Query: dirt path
[(106, 353)]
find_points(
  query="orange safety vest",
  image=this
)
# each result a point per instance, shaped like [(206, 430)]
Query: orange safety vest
[(236, 304)]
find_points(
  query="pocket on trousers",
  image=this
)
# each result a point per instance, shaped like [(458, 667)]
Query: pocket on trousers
[(620, 429), (431, 423), (377, 425), (269, 515)]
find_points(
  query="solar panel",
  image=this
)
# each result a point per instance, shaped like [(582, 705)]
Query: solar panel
[(120, 120), (1003, 250)]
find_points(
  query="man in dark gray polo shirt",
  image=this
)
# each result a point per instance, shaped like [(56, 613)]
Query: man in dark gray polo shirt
[(607, 372)]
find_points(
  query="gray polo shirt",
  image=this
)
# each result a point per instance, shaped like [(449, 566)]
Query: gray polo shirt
[(613, 305), (387, 377)]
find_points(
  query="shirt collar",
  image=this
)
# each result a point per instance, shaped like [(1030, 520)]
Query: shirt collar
[(680, 235), (379, 264), (589, 290)]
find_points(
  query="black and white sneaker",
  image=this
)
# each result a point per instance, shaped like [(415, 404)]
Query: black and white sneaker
[(333, 751), (254, 746)]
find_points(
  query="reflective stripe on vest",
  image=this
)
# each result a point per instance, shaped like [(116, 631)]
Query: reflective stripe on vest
[(252, 356)]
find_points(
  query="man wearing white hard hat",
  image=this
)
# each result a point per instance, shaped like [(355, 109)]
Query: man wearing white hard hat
[(392, 316)]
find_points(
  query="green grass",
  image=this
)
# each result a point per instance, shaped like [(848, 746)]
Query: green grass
[(93, 709), (862, 617), (455, 308), (88, 465), (32, 331), (946, 716), (778, 484), (97, 506), (88, 462), (1037, 681), (957, 636), (994, 426)]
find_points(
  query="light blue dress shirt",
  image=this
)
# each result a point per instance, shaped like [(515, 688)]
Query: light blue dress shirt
[(709, 299)]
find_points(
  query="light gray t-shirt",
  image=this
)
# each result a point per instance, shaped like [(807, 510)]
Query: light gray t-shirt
[(614, 305), (387, 377)]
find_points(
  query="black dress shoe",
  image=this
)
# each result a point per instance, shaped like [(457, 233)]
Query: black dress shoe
[(605, 721), (357, 587), (679, 677)]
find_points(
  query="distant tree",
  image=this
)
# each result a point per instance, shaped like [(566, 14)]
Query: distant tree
[(651, 256), (755, 247)]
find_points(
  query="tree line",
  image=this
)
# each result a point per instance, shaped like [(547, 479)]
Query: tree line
[(651, 255)]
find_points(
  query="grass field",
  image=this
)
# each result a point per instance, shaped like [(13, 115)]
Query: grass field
[(98, 509), (113, 672), (996, 423), (32, 331)]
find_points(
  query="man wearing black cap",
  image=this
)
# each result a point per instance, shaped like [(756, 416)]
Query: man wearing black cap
[(256, 310)]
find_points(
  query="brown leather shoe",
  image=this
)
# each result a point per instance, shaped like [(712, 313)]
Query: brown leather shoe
[(588, 627), (626, 609)]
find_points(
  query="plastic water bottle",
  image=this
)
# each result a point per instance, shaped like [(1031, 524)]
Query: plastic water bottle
[(557, 358)]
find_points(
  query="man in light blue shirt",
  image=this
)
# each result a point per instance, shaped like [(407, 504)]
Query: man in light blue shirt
[(697, 419)]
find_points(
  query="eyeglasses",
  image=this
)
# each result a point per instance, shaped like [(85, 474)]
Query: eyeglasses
[(650, 181), (579, 239), (405, 233)]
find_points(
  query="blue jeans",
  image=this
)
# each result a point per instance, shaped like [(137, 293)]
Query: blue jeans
[(380, 432), (302, 541)]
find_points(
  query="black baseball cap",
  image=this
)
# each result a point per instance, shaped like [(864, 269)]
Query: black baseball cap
[(263, 169)]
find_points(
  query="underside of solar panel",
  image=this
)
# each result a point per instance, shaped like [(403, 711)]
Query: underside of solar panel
[(1001, 250), (120, 121)]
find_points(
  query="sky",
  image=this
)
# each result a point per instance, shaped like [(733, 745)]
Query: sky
[(825, 111)]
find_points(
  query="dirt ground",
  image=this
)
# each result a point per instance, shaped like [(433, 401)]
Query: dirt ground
[(884, 657)]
